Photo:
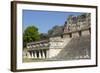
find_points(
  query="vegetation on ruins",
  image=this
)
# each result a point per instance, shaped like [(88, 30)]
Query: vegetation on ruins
[(44, 36), (55, 30)]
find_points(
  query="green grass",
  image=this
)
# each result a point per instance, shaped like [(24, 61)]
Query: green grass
[(34, 60)]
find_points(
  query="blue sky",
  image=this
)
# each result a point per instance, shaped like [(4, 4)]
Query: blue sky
[(45, 20)]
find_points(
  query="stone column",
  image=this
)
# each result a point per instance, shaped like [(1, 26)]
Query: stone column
[(32, 53), (39, 54), (29, 55), (43, 54), (35, 54)]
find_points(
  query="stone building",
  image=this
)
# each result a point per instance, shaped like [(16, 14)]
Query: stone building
[(73, 43), (37, 49), (75, 23)]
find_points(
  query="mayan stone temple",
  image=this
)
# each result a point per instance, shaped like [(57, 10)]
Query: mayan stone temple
[(73, 42)]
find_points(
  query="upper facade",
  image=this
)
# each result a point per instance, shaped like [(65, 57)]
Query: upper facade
[(74, 23)]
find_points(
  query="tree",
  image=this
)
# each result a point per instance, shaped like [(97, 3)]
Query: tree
[(44, 36), (30, 34), (56, 30)]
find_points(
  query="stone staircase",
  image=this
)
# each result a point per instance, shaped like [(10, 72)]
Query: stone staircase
[(66, 41), (77, 48)]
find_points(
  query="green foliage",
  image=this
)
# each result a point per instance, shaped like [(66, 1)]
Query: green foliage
[(44, 36), (51, 31), (30, 34), (56, 30)]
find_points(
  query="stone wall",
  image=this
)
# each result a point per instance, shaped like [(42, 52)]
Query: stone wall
[(77, 48), (54, 52), (58, 43), (85, 32), (75, 23)]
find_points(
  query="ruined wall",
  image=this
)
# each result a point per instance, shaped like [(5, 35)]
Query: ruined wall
[(74, 23), (57, 44)]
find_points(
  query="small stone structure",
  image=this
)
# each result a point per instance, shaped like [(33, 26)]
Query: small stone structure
[(37, 49), (74, 27)]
